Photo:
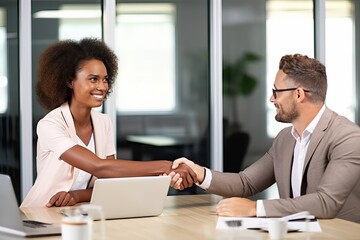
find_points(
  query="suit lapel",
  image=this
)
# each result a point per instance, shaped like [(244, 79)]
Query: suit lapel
[(287, 165), (98, 132), (315, 140), (69, 121), (96, 124)]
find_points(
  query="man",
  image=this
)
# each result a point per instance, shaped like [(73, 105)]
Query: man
[(315, 163)]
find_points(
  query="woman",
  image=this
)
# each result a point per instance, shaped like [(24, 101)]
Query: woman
[(75, 143)]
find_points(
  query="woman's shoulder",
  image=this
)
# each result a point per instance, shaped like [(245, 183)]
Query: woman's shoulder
[(54, 117), (99, 118), (99, 115), (53, 114)]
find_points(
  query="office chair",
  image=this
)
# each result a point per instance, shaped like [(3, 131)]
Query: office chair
[(235, 148)]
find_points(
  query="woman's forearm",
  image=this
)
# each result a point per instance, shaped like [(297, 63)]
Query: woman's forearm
[(84, 159)]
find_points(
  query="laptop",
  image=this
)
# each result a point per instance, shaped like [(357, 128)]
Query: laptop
[(10, 215), (131, 197)]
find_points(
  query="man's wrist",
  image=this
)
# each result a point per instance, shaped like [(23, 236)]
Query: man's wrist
[(205, 183), (260, 209), (203, 174)]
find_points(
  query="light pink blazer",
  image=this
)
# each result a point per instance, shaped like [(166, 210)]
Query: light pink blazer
[(56, 134)]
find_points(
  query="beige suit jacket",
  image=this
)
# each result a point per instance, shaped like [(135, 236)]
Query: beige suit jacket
[(330, 184), (56, 134)]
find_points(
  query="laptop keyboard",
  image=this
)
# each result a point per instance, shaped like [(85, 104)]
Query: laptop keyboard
[(34, 224)]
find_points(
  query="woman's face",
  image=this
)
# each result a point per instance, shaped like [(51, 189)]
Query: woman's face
[(90, 84)]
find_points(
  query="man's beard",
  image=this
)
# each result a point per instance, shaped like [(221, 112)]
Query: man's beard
[(287, 117)]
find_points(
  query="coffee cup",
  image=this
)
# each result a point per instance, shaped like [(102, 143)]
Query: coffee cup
[(277, 228), (77, 223)]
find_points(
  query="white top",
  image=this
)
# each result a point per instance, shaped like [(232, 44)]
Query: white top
[(83, 178)]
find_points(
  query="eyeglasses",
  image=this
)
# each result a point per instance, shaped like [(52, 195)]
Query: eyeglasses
[(285, 90)]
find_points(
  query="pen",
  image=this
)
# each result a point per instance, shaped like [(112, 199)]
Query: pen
[(303, 220)]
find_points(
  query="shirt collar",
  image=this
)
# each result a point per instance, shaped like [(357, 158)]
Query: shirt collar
[(310, 128)]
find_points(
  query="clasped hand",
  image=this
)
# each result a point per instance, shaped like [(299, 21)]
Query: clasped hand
[(195, 173), (229, 207), (182, 176)]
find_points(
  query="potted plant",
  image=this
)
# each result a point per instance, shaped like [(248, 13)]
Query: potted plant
[(237, 81)]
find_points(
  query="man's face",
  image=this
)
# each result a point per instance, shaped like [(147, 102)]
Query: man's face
[(285, 99)]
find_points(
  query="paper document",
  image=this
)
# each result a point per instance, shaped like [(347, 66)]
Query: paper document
[(296, 222)]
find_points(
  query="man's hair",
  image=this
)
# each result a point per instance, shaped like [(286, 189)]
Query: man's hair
[(307, 73), (59, 63)]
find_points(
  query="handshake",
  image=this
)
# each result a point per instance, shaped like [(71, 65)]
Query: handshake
[(184, 173)]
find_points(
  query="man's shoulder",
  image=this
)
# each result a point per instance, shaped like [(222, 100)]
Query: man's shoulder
[(286, 131), (332, 120), (341, 122), (284, 137), (341, 128)]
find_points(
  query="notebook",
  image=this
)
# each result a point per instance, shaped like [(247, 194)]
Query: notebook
[(131, 197), (10, 216)]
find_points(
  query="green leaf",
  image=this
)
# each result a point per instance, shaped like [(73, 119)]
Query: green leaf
[(248, 85), (235, 78)]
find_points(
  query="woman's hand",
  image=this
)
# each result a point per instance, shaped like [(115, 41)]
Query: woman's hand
[(70, 198), (63, 198), (175, 180)]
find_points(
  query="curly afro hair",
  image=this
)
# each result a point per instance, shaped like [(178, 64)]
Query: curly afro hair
[(59, 63)]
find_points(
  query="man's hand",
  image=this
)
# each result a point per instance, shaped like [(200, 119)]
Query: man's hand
[(199, 170), (63, 198), (236, 207), (187, 176)]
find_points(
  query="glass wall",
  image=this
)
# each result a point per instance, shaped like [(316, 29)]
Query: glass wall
[(244, 74), (146, 64), (162, 92), (9, 93)]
